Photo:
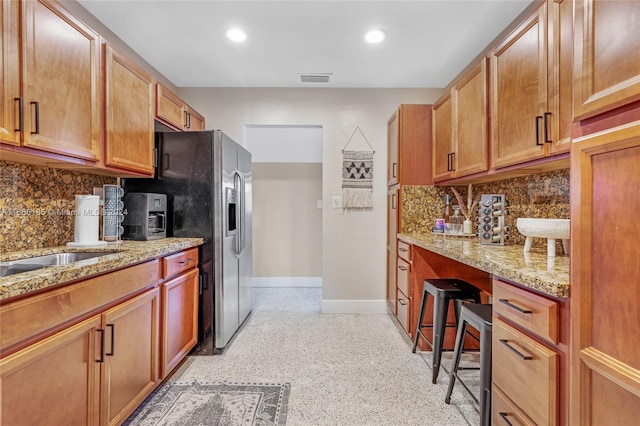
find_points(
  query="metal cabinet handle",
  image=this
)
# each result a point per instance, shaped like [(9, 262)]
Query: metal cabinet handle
[(393, 201), (504, 417), (37, 104), (402, 249), (189, 260), (393, 169), (522, 356), (402, 302), (113, 339), (188, 120), (546, 127), (101, 331), (451, 168), (20, 114), (538, 119), (402, 268), (516, 307)]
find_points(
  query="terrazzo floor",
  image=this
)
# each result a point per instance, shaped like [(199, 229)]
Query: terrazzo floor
[(344, 369)]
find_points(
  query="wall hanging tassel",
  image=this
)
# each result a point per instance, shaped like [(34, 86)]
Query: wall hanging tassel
[(357, 176)]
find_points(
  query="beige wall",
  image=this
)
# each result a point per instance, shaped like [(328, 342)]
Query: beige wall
[(287, 225), (353, 243)]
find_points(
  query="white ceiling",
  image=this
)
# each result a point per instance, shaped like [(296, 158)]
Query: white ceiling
[(429, 42)]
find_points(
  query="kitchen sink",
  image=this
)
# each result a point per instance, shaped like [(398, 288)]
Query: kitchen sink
[(39, 262)]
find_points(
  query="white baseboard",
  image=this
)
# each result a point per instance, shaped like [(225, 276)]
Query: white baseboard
[(353, 306), (287, 281)]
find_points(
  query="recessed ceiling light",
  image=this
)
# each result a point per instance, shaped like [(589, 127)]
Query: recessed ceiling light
[(236, 34), (375, 36)]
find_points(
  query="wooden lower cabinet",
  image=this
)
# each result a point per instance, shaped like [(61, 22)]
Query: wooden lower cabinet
[(605, 378), (55, 381), (131, 356), (179, 319), (530, 357)]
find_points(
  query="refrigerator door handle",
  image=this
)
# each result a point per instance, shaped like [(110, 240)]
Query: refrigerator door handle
[(243, 206), (237, 183)]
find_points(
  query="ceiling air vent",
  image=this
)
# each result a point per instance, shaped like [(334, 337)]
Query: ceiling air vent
[(315, 78)]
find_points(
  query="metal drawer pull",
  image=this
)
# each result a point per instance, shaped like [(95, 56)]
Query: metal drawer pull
[(538, 119), (504, 417), (515, 351), (20, 114), (37, 104), (113, 339), (402, 302), (189, 260), (101, 359), (402, 268), (403, 249), (516, 307), (546, 127)]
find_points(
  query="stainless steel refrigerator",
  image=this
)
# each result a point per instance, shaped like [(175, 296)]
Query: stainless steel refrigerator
[(208, 181)]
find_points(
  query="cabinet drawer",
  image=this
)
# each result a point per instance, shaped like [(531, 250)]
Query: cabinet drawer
[(504, 412), (527, 372), (179, 262), (404, 269), (27, 318), (404, 251), (535, 313), (403, 310)]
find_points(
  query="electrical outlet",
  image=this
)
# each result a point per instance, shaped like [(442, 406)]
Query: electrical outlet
[(336, 202)]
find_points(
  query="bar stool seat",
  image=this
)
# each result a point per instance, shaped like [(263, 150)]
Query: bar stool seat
[(442, 290), (479, 317)]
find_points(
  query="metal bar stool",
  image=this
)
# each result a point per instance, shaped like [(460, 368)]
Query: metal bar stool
[(479, 317), (443, 290)]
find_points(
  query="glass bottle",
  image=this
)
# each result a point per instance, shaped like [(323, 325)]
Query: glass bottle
[(446, 215), (456, 221)]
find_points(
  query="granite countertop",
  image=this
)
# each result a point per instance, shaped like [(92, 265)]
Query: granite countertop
[(125, 253), (549, 275)]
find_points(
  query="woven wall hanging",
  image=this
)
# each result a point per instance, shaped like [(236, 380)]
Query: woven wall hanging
[(357, 176)]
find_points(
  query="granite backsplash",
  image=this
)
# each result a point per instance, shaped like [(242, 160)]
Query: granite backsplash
[(36, 204), (543, 195)]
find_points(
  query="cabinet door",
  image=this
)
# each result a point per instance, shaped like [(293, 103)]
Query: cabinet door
[(392, 244), (169, 108), (393, 140), (560, 75), (195, 121), (61, 81), (129, 114), (470, 122), (442, 138), (131, 362), (179, 319), (10, 73), (606, 60), (605, 291), (519, 93), (55, 381)]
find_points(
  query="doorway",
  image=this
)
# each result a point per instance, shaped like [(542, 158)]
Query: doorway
[(287, 204)]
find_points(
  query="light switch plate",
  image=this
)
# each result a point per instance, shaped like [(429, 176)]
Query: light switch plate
[(319, 204), (336, 202)]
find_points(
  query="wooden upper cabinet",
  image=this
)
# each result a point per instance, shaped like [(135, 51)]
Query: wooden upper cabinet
[(442, 142), (519, 94), (173, 111), (606, 58), (60, 84), (195, 121), (409, 145), (129, 95), (10, 73), (170, 109), (393, 133), (460, 136), (605, 389), (560, 45), (470, 136)]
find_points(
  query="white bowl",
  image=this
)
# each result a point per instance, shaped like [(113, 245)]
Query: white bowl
[(551, 229)]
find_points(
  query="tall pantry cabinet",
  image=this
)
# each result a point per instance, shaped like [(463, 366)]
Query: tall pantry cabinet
[(605, 293), (409, 163)]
